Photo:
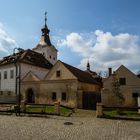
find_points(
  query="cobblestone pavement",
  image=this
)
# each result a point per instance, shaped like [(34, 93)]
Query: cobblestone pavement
[(53, 128)]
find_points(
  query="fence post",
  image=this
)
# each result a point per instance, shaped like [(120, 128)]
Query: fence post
[(139, 104), (99, 110), (57, 108), (23, 105)]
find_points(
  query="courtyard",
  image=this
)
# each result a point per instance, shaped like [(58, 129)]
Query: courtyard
[(80, 127)]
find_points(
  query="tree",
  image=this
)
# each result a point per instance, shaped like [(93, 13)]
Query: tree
[(116, 89)]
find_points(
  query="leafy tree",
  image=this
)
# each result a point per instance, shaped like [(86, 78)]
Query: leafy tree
[(116, 89)]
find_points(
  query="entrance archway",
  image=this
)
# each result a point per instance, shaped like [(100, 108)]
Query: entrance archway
[(30, 97)]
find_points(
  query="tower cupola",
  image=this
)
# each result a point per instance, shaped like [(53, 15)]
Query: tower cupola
[(45, 32), (45, 46)]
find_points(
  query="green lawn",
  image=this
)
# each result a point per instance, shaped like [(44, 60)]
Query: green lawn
[(48, 109), (114, 113)]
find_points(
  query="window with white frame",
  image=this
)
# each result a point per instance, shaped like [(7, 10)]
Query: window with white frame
[(5, 74), (11, 74)]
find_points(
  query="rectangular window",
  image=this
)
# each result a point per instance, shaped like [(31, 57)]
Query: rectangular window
[(122, 81), (63, 97), (58, 73), (0, 75), (135, 95), (5, 74), (54, 96), (11, 74)]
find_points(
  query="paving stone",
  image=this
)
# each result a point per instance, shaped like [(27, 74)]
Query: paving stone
[(53, 128)]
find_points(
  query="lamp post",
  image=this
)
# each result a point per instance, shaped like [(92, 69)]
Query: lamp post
[(17, 81)]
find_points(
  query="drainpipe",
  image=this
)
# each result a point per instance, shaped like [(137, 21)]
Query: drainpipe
[(0, 80), (19, 94), (16, 79), (17, 86)]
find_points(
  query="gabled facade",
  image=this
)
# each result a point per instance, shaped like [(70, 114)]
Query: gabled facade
[(66, 84), (129, 87)]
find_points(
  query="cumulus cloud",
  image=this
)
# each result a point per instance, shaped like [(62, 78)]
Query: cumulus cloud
[(7, 44), (103, 49)]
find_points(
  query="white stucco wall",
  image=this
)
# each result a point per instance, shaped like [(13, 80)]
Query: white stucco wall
[(38, 71), (10, 84), (7, 84), (48, 51)]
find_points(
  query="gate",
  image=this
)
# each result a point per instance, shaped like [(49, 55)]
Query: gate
[(90, 99)]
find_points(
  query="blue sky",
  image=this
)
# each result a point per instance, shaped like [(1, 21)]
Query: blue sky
[(105, 32)]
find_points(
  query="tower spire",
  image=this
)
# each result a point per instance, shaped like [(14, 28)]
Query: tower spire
[(45, 31), (88, 66), (45, 19)]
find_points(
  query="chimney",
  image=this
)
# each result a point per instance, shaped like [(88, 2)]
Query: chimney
[(109, 71)]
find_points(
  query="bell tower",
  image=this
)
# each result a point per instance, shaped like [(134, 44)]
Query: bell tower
[(45, 46)]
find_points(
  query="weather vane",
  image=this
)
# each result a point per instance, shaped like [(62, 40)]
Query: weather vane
[(45, 17)]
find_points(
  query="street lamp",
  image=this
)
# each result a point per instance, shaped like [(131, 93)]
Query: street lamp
[(17, 86), (19, 49)]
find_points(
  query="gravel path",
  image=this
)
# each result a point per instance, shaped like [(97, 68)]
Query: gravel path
[(53, 128)]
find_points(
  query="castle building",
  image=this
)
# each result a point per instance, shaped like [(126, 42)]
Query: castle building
[(38, 77)]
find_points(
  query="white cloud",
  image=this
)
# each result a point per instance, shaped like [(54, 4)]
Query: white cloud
[(7, 44), (104, 50)]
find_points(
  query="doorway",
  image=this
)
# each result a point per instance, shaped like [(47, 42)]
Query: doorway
[(30, 96)]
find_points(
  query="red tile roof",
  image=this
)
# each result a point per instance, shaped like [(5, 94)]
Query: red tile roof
[(82, 76), (27, 56)]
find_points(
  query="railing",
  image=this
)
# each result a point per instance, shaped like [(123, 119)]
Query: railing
[(121, 108), (102, 110), (30, 109)]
